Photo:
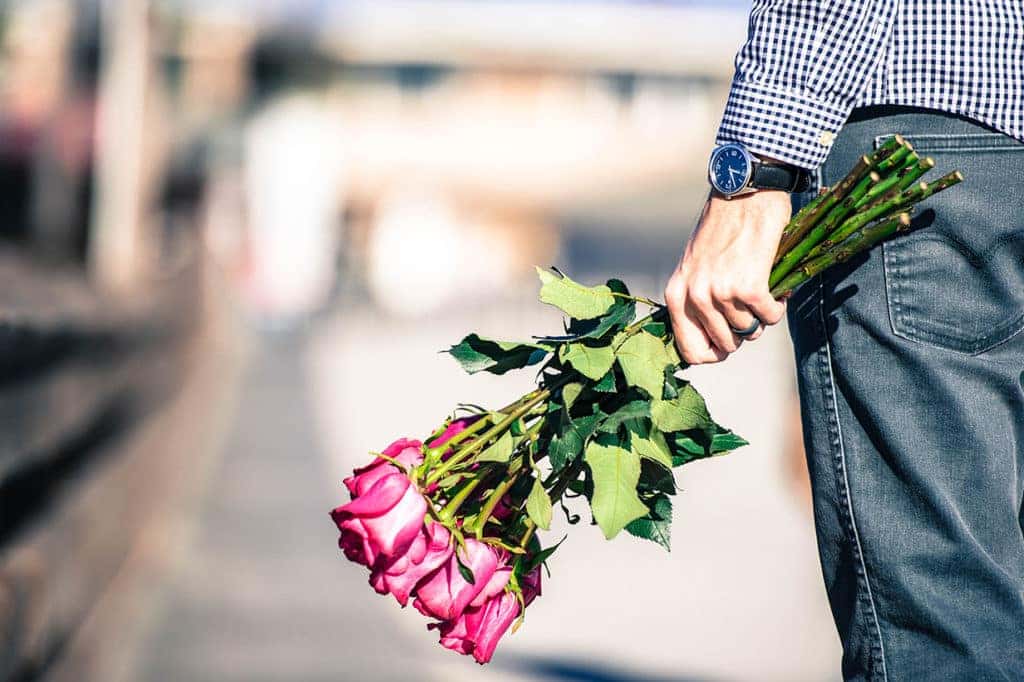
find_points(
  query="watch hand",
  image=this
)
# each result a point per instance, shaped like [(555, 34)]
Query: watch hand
[(733, 172)]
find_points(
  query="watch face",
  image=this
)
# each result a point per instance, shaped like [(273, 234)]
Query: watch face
[(730, 169)]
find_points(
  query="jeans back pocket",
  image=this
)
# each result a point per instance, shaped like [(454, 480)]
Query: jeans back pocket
[(957, 281)]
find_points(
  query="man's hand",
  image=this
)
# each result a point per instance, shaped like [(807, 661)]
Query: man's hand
[(722, 278)]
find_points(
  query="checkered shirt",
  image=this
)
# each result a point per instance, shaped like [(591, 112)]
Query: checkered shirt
[(807, 63)]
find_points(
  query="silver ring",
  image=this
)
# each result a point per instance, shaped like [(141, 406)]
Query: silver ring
[(749, 331)]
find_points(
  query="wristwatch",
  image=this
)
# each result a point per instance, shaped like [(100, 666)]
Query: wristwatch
[(734, 171)]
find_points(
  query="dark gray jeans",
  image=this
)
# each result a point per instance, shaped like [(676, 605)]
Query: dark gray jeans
[(911, 371)]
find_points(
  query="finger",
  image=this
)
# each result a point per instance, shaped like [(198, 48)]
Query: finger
[(766, 308), (714, 325), (738, 316), (703, 351), (693, 344)]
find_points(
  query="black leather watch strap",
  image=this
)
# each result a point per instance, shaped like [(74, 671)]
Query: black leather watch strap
[(785, 178)]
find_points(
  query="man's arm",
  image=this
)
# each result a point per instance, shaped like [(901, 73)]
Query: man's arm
[(800, 72), (802, 68)]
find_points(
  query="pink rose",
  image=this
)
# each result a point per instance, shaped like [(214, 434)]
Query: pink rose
[(408, 452), (445, 594), (399, 575), (479, 629), (384, 519), (495, 586)]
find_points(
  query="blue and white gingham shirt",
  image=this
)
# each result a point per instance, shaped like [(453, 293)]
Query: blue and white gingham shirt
[(807, 63)]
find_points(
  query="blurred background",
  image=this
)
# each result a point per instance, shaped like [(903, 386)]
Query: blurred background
[(233, 237)]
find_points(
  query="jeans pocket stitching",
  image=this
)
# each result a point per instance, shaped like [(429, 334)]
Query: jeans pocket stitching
[(903, 326), (959, 142), (844, 495)]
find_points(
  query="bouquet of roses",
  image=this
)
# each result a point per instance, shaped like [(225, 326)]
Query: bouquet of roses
[(451, 522)]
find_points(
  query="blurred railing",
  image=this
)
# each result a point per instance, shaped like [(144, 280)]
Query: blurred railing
[(79, 376)]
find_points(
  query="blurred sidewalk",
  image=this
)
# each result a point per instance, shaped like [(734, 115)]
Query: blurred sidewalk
[(263, 593)]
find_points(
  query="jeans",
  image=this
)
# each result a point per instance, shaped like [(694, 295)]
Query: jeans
[(910, 361)]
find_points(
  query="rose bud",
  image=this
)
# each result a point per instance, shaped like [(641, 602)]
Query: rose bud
[(431, 549), (386, 518), (445, 594), (408, 452)]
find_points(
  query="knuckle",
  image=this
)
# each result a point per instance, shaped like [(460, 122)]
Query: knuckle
[(747, 294), (674, 292), (775, 314), (700, 296), (722, 292)]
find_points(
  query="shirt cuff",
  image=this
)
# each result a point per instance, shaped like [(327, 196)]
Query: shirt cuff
[(787, 125)]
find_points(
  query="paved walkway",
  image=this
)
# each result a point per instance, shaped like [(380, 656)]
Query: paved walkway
[(263, 593)]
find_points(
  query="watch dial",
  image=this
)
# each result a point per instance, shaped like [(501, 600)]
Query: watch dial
[(730, 170)]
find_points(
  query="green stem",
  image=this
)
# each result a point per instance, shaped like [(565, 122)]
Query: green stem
[(877, 190), (805, 222), (535, 398), (638, 299), (894, 161), (860, 241), (914, 173), (570, 474), (530, 528), (880, 210), (493, 499), (449, 510), (822, 229), (461, 436)]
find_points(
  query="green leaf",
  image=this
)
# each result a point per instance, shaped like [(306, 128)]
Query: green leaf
[(686, 411), (498, 451), (538, 505), (649, 444), (725, 442), (570, 392), (686, 449), (671, 388), (617, 318), (656, 525), (465, 571), (672, 353), (701, 444), (643, 360), (542, 556), (574, 299), (592, 362), (616, 472), (655, 478), (477, 354), (567, 445), (658, 329), (605, 384), (635, 409)]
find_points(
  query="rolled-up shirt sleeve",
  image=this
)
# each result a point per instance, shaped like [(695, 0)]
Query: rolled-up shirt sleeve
[(798, 75)]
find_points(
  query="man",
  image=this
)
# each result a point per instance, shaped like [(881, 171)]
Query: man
[(911, 358)]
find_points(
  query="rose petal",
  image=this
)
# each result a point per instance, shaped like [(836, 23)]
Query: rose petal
[(379, 499)]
